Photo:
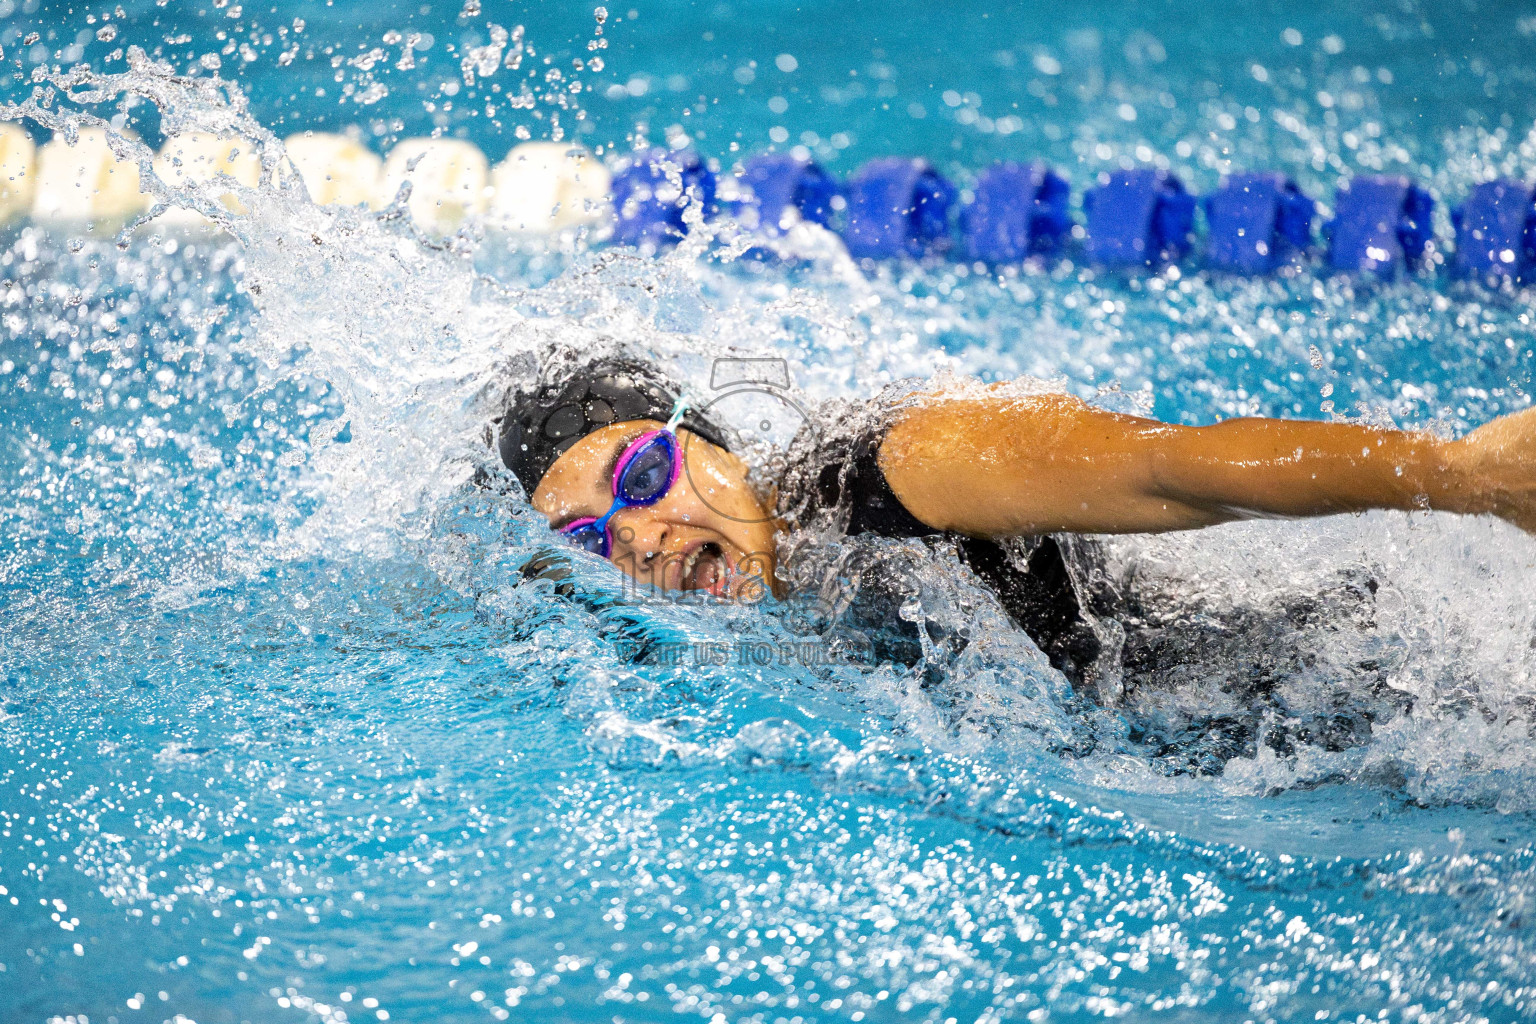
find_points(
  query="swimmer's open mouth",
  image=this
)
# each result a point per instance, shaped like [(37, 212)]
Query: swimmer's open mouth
[(705, 568)]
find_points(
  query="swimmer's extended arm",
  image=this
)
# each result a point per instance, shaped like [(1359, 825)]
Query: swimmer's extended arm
[(1010, 466)]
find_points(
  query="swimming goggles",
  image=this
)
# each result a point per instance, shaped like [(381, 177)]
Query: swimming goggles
[(645, 472)]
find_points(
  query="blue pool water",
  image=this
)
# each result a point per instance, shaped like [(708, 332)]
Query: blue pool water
[(285, 735)]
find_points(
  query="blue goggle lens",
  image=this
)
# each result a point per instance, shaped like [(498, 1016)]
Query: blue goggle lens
[(648, 473), (589, 538)]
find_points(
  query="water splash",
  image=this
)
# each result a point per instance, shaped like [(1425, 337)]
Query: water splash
[(273, 674)]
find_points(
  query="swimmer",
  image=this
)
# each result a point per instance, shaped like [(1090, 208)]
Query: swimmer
[(623, 467)]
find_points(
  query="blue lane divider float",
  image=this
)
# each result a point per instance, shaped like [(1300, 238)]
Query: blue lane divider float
[(776, 187), (897, 207), (652, 188), (1256, 222), (1496, 232), (1381, 224), (1138, 217), (1018, 210)]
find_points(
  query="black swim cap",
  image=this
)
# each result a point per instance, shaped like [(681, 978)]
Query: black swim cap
[(539, 425)]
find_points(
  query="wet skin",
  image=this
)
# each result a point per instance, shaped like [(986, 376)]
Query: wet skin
[(709, 532)]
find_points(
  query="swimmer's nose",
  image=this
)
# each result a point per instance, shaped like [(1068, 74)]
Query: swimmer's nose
[(637, 534)]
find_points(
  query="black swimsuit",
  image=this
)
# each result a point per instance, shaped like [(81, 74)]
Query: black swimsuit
[(1110, 635), (841, 476)]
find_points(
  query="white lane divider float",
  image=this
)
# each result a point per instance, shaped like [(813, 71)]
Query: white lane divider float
[(86, 182), (200, 157), (449, 181), (336, 170), (539, 188), (18, 171), (546, 187)]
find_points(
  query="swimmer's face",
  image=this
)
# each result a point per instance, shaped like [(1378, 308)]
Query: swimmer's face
[(709, 532)]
